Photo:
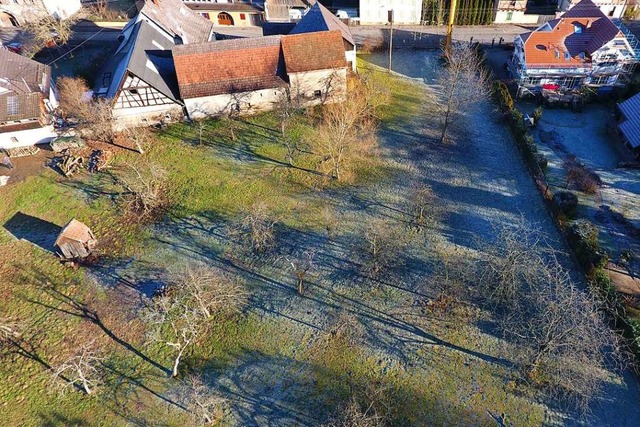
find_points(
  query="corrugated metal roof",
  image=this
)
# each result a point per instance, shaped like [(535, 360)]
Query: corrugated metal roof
[(630, 127)]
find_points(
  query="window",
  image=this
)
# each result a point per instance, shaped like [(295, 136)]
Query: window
[(12, 105), (243, 16), (206, 15), (509, 16), (133, 91), (567, 56), (582, 55), (577, 28), (599, 80), (317, 93), (557, 54)]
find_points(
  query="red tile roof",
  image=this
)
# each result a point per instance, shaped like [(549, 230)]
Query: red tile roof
[(244, 65), (557, 44), (323, 50), (228, 66)]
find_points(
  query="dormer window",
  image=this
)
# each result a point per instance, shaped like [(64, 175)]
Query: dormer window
[(577, 29), (567, 56), (557, 54), (582, 55)]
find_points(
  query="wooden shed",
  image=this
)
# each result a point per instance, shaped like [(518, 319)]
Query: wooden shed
[(75, 241)]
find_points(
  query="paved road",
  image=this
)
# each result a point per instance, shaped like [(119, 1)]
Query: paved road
[(406, 36)]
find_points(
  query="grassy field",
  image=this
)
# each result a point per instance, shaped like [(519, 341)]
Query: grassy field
[(280, 362)]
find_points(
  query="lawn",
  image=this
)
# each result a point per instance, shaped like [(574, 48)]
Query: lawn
[(286, 360)]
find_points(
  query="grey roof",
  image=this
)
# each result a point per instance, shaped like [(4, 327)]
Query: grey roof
[(630, 127), (319, 18), (146, 53), (22, 75), (226, 45), (584, 9), (178, 20), (279, 9)]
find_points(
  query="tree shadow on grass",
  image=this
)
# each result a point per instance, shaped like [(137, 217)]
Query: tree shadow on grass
[(72, 307), (37, 231)]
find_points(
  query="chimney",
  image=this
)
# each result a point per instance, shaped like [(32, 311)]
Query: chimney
[(589, 23)]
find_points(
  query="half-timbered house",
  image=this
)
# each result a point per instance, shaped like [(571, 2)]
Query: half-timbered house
[(140, 77)]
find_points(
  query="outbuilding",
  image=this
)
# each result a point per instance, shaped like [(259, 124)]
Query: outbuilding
[(75, 241)]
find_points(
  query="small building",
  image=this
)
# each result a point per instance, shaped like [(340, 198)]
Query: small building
[(514, 12), (376, 12), (237, 14), (614, 9), (139, 77), (14, 13), (629, 123), (581, 48), (319, 18), (75, 241), (27, 99), (244, 76), (247, 76), (316, 67)]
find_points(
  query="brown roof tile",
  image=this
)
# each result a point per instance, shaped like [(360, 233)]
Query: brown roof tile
[(323, 50), (228, 66)]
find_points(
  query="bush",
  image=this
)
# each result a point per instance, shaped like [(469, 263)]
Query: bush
[(565, 202), (581, 178), (583, 238), (503, 96), (537, 114)]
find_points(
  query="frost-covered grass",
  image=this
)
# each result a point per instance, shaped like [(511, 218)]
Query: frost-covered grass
[(279, 363)]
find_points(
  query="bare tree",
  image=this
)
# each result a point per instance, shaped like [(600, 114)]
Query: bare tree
[(302, 263), (146, 186), (81, 370), (183, 312), (347, 129), (381, 247), (47, 30), (94, 116), (463, 83), (210, 290), (9, 331), (353, 415), (176, 322), (425, 207), (513, 265), (141, 137), (564, 343), (256, 229), (206, 406)]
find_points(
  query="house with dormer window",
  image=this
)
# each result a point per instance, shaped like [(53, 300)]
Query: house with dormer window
[(139, 77), (583, 47)]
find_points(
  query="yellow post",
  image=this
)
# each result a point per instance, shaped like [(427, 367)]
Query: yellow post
[(452, 17)]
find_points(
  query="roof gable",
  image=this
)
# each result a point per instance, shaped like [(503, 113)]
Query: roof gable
[(21, 75), (569, 40), (313, 51), (177, 19), (319, 18)]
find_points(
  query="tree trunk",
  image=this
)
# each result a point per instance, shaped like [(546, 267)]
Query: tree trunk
[(176, 363), (445, 125)]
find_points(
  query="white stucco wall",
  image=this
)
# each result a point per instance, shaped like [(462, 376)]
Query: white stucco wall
[(304, 85), (25, 138), (62, 8), (517, 17), (249, 102), (376, 11), (351, 56), (143, 116)]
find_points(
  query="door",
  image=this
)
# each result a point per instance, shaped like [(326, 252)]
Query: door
[(225, 19)]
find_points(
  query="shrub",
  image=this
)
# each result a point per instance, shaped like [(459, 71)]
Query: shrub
[(537, 114), (503, 96), (565, 202), (581, 178), (583, 238)]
